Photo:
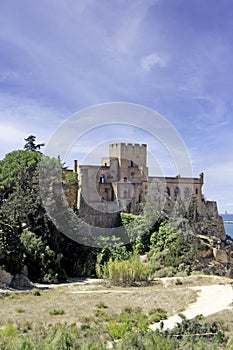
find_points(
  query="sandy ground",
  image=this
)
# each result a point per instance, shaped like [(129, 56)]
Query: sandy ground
[(211, 299)]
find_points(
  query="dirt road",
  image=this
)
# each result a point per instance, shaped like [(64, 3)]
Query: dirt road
[(211, 299)]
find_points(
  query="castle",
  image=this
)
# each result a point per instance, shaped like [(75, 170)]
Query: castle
[(122, 183)]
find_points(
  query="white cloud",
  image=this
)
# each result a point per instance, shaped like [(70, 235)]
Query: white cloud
[(153, 59), (21, 117)]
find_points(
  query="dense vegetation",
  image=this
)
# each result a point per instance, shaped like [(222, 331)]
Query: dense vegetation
[(160, 245), (128, 329), (28, 237)]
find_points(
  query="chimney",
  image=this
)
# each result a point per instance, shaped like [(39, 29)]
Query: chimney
[(75, 166)]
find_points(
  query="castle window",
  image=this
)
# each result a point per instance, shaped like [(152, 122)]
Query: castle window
[(167, 191), (102, 179), (186, 193), (125, 179), (125, 194), (196, 190), (131, 164), (176, 193)]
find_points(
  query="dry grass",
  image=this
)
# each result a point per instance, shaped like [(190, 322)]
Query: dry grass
[(79, 300)]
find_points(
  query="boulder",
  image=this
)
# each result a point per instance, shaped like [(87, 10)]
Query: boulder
[(21, 282), (5, 278)]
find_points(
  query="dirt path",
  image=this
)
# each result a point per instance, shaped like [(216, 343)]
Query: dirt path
[(211, 299)]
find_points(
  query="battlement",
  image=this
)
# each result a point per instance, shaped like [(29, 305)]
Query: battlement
[(122, 144), (132, 152)]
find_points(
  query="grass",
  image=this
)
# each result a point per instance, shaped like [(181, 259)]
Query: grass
[(55, 312), (78, 301), (98, 313)]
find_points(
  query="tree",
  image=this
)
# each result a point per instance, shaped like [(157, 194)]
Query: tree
[(11, 249), (31, 145)]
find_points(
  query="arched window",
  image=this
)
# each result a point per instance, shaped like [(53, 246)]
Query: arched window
[(176, 193), (186, 193), (125, 179), (167, 191)]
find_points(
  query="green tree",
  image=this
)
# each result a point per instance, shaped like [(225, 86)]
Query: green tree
[(30, 144)]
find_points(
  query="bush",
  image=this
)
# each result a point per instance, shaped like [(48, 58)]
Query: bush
[(36, 293), (57, 312), (101, 305), (62, 337), (125, 272), (148, 341), (157, 314), (20, 310), (116, 330)]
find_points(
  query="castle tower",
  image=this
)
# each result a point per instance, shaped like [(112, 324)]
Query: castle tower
[(134, 153), (132, 159)]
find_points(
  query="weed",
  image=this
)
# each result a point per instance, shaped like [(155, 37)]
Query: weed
[(157, 314), (20, 310), (36, 293), (101, 305), (13, 296), (102, 316), (57, 312), (178, 282)]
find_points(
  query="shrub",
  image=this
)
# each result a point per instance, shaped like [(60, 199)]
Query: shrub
[(57, 312), (14, 296), (148, 341), (102, 316), (101, 305), (157, 314), (9, 330), (125, 272), (36, 293), (20, 310), (116, 330), (62, 337)]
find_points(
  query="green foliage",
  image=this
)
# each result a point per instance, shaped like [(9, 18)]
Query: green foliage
[(62, 337), (36, 293), (57, 312), (128, 320), (38, 253), (31, 145), (116, 330), (125, 272), (147, 341), (164, 238), (101, 305), (196, 328), (157, 314), (11, 249), (9, 330), (173, 251), (20, 310), (139, 229)]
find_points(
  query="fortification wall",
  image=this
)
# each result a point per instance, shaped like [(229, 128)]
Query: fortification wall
[(97, 215), (136, 153)]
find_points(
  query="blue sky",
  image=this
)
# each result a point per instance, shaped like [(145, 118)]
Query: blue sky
[(173, 56)]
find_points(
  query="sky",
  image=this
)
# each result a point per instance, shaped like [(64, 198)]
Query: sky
[(58, 58)]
